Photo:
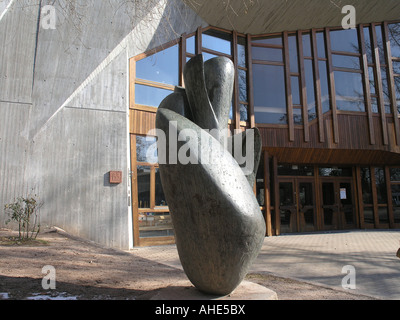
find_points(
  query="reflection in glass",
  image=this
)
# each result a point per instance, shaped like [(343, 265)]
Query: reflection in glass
[(342, 61), (349, 91), (150, 96), (267, 54), (396, 202), (146, 149), (309, 75), (369, 215), (344, 40), (295, 90), (160, 197), (155, 224), (241, 51), (217, 41), (366, 185), (325, 97), (321, 45), (269, 94), (381, 189), (394, 37), (269, 40), (143, 183), (160, 67), (244, 114), (395, 174), (380, 42), (293, 54), (242, 85), (286, 194), (368, 45), (307, 52), (295, 170), (297, 116)]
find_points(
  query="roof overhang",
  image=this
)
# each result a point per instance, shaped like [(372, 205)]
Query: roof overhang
[(269, 16)]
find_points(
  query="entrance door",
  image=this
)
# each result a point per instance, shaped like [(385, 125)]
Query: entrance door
[(297, 205), (338, 207)]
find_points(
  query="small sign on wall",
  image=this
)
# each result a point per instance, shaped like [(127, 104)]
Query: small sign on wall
[(115, 177), (343, 194)]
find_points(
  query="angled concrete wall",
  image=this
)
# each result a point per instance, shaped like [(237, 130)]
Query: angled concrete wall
[(64, 110)]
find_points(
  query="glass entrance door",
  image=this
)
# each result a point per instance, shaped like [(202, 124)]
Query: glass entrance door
[(297, 205), (338, 208)]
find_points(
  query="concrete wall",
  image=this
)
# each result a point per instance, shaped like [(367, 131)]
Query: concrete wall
[(64, 106)]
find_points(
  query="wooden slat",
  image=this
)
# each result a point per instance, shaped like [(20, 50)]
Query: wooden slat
[(317, 86), (199, 40), (332, 87), (134, 192), (379, 86), (391, 83), (276, 196), (267, 195), (303, 91), (289, 97), (132, 77), (250, 83), (367, 88)]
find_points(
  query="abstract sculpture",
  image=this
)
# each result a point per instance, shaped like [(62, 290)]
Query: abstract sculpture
[(219, 228)]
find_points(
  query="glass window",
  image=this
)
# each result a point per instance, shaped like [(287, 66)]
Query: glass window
[(379, 39), (191, 45), (160, 197), (274, 40), (146, 149), (293, 54), (396, 67), (344, 40), (321, 45), (396, 202), (267, 54), (143, 182), (309, 76), (244, 114), (366, 185), (241, 49), (295, 90), (269, 94), (380, 181), (368, 45), (335, 172), (342, 61), (371, 73), (160, 67), (208, 56), (297, 116), (295, 170), (394, 37), (349, 91), (242, 85), (307, 52), (155, 224), (150, 96), (323, 75), (369, 215), (217, 41)]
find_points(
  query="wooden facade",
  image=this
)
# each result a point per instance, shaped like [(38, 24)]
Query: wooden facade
[(336, 138)]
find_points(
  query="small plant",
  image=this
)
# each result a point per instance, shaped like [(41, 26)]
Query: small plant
[(25, 212)]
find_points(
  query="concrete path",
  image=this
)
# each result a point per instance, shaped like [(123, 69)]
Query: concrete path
[(320, 258)]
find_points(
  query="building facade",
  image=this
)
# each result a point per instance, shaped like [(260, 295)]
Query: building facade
[(80, 102)]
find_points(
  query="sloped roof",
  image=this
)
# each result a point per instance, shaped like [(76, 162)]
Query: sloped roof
[(268, 16)]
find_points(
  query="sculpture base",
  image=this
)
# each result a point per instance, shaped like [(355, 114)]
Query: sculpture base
[(186, 291)]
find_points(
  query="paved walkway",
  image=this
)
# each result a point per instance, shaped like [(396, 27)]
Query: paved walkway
[(320, 257)]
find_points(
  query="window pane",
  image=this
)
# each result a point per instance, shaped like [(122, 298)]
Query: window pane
[(143, 182), (307, 52), (368, 44), (371, 73), (385, 86), (207, 56), (190, 45), (242, 57), (396, 202), (396, 67), (269, 40), (295, 170), (160, 67), (295, 90), (242, 85), (366, 185), (379, 39), (395, 174), (321, 45), (150, 96), (309, 75), (394, 37), (349, 91), (146, 149), (341, 61), (381, 185), (217, 41), (297, 116), (161, 201), (267, 54), (344, 40), (335, 172), (244, 114), (269, 94), (293, 54), (369, 215), (155, 224), (323, 75), (397, 88)]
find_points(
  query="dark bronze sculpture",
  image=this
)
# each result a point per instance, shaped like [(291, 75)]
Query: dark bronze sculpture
[(219, 228)]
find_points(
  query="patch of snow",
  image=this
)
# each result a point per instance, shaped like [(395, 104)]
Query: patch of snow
[(60, 296), (4, 296)]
